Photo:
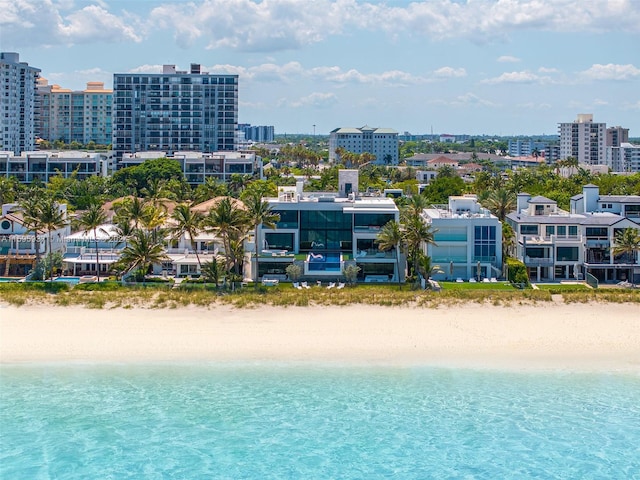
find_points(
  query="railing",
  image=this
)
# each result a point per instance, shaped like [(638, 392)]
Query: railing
[(538, 262)]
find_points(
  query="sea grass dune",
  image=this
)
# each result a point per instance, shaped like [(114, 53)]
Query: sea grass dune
[(576, 337)]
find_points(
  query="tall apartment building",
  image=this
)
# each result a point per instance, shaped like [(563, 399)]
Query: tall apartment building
[(74, 116), (584, 140), (257, 133), (624, 158), (381, 142), (174, 111), (616, 136), (18, 106)]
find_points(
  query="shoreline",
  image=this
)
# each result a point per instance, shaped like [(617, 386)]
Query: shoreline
[(556, 337)]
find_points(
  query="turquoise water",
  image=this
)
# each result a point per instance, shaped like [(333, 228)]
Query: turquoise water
[(71, 280), (293, 422)]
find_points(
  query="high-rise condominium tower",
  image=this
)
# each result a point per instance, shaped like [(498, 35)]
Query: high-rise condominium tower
[(174, 111), (18, 103), (583, 140)]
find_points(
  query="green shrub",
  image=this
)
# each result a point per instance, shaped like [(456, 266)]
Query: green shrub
[(517, 271)]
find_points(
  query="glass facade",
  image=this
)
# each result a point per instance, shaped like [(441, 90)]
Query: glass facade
[(325, 230), (279, 241), (484, 243), (373, 221), (567, 254)]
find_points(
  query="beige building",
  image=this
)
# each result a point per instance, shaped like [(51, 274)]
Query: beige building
[(74, 116)]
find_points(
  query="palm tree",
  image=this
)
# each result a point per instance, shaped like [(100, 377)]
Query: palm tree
[(52, 218), (426, 267), (30, 206), (500, 202), (417, 233), (141, 252), (134, 210), (91, 219), (627, 243), (390, 236), (259, 213), (227, 221), (189, 223)]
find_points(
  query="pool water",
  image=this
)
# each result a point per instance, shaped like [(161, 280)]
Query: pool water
[(324, 262), (71, 280)]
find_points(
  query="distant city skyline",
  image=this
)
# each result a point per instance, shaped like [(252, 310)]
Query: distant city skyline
[(495, 67)]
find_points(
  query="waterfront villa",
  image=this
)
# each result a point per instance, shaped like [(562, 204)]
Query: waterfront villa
[(468, 240), (324, 231), (556, 244), (18, 243)]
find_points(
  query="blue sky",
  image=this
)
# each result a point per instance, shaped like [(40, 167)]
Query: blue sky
[(497, 67)]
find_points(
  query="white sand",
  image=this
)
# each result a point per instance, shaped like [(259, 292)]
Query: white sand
[(604, 337)]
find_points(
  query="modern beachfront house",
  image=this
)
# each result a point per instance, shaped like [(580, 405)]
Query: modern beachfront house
[(468, 240), (556, 244), (324, 231)]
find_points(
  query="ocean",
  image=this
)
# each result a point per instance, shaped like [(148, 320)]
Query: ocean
[(291, 421)]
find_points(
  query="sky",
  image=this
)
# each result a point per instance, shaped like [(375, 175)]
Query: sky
[(495, 67)]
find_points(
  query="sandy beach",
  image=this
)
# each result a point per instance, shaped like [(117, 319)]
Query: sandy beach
[(602, 337)]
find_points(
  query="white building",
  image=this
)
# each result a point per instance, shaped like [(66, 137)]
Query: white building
[(624, 158), (331, 230), (18, 246), (381, 142), (43, 165), (468, 239), (18, 107), (198, 166), (558, 245), (583, 140)]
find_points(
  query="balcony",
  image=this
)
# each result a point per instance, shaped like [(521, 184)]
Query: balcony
[(538, 262)]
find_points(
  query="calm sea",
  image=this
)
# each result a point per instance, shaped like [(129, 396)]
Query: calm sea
[(314, 422)]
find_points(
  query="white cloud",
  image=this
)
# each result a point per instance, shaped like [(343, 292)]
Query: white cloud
[(450, 72), (146, 68), (316, 99), (508, 59), (275, 25), (45, 23), (517, 77), (548, 70), (293, 71), (466, 100), (611, 71)]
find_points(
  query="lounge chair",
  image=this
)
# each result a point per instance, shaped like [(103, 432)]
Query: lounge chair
[(494, 280), (459, 280), (340, 285), (305, 285), (485, 280), (331, 285), (472, 280), (297, 285)]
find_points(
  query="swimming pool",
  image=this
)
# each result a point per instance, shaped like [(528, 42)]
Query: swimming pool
[(71, 280), (9, 279), (324, 262)]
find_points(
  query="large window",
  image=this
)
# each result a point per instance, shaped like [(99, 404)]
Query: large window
[(529, 229), (288, 218), (368, 220), (325, 230), (567, 254), (279, 241), (485, 243), (597, 232)]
